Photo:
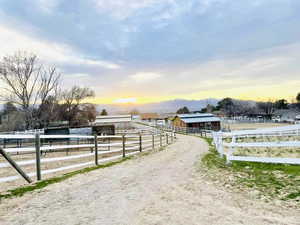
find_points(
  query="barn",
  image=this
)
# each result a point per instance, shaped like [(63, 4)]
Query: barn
[(205, 121)]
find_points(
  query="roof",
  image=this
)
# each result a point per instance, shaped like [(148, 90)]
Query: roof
[(147, 116), (113, 119), (198, 118), (195, 115), (201, 120)]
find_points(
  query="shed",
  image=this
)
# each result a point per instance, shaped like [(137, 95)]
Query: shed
[(103, 129), (206, 121), (118, 121)]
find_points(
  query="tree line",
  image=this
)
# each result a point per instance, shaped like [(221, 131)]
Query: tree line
[(234, 107), (34, 97)]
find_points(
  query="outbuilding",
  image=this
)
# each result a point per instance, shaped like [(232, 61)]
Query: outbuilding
[(205, 121), (118, 121)]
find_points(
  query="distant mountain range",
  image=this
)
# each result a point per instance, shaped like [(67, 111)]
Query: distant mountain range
[(159, 107)]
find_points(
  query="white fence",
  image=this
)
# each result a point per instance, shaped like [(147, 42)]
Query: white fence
[(220, 140), (80, 151)]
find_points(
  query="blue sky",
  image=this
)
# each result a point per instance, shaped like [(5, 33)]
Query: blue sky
[(155, 50)]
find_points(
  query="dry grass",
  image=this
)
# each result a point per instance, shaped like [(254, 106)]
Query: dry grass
[(291, 152), (250, 126)]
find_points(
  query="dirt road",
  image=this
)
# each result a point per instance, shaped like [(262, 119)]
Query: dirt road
[(163, 188)]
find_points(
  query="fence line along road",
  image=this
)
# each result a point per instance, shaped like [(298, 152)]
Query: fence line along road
[(80, 151), (220, 138)]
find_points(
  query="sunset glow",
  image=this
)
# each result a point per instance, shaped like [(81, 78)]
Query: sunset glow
[(125, 100), (164, 51)]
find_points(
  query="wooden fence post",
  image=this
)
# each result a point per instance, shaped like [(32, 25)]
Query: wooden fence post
[(140, 140), (14, 165), (123, 144), (153, 144), (160, 139), (108, 147), (167, 138), (96, 149), (38, 156)]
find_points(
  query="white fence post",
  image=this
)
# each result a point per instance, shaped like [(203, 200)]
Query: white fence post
[(220, 138), (231, 149)]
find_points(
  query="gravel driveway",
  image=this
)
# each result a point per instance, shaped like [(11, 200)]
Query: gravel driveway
[(163, 188)]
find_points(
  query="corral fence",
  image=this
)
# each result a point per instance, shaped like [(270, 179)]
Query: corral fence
[(192, 131), (274, 142), (184, 130), (41, 155)]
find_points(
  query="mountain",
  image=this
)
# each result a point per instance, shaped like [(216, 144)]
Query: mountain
[(159, 107)]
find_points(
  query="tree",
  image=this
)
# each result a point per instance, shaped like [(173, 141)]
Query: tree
[(86, 114), (281, 104), (72, 100), (208, 109), (104, 113), (298, 97), (48, 111), (266, 107), (227, 106), (26, 82), (183, 110)]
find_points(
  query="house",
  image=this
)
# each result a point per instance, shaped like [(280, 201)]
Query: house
[(297, 119), (118, 121), (12, 121), (155, 118), (285, 115), (206, 121), (149, 117)]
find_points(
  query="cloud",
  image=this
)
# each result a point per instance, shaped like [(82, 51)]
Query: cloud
[(164, 47), (121, 9), (47, 51), (143, 77), (47, 6)]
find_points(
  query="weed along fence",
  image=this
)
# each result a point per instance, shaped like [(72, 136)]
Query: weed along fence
[(42, 156), (273, 145)]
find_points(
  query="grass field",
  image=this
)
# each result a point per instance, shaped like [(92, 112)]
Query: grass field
[(271, 182)]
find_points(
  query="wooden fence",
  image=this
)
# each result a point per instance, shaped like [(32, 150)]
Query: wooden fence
[(37, 151), (236, 139)]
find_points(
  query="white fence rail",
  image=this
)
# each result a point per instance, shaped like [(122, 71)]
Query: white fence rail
[(37, 152), (287, 131)]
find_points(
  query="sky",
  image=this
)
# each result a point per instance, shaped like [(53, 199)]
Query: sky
[(154, 50)]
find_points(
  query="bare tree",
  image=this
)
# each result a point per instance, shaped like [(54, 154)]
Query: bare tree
[(72, 99), (267, 107), (26, 82)]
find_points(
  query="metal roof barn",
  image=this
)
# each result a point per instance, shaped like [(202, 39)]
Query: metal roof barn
[(198, 121)]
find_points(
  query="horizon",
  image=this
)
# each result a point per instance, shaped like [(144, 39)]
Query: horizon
[(139, 52)]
